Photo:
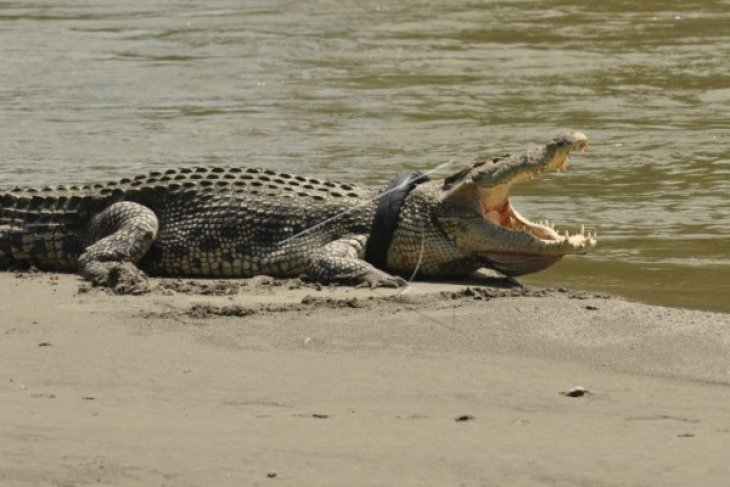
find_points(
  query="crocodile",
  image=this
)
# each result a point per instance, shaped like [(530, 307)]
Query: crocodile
[(242, 222)]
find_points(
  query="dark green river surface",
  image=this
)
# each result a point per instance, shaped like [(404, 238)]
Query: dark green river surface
[(358, 90)]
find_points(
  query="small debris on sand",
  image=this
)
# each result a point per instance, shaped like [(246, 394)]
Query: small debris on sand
[(576, 392)]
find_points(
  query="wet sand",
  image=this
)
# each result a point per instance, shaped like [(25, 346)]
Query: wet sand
[(267, 382)]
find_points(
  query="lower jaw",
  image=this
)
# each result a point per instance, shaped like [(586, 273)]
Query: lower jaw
[(515, 221), (515, 264)]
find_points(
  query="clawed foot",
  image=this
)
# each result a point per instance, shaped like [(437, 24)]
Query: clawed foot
[(381, 279), (120, 277)]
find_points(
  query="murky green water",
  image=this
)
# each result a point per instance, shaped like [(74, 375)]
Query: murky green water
[(359, 90)]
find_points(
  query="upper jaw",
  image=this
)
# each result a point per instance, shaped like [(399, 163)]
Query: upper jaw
[(495, 180), (486, 184)]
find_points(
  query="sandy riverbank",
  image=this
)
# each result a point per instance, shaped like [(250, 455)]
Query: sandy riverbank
[(259, 383)]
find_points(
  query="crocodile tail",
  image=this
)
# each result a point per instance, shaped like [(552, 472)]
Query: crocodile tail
[(42, 228)]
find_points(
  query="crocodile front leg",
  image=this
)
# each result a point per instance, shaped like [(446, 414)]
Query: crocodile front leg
[(121, 235), (340, 262)]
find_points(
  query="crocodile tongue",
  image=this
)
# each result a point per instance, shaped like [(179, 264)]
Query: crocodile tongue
[(499, 214)]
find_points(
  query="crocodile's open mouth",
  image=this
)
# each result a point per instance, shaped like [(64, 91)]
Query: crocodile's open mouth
[(497, 234), (549, 246), (506, 216), (495, 207)]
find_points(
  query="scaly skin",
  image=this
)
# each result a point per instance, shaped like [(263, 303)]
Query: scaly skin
[(237, 222)]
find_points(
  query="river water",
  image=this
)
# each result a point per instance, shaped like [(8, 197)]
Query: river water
[(358, 90)]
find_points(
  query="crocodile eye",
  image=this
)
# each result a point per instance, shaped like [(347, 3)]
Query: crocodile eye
[(562, 141)]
